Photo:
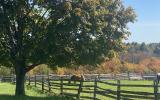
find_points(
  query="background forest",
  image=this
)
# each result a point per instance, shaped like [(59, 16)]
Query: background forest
[(138, 58)]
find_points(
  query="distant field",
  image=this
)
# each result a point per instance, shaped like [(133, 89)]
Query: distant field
[(7, 91)]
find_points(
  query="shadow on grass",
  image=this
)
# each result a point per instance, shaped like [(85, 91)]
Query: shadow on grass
[(11, 97)]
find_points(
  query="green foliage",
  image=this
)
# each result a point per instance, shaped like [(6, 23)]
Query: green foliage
[(90, 31), (61, 33), (40, 69), (4, 71)]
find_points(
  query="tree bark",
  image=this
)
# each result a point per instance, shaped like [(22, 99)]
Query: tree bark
[(20, 80)]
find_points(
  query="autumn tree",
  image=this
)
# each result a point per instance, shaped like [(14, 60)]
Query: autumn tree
[(60, 33)]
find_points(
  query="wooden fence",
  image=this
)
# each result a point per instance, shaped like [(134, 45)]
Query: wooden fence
[(11, 78), (48, 82), (91, 77), (129, 95)]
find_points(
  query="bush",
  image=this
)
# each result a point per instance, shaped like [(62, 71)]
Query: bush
[(40, 69), (4, 71)]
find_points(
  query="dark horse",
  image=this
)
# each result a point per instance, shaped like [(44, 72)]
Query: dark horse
[(158, 77), (76, 78)]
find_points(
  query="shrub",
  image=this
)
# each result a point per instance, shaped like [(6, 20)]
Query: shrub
[(4, 71), (40, 69)]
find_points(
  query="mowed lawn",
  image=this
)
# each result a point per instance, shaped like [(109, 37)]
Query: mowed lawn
[(7, 91)]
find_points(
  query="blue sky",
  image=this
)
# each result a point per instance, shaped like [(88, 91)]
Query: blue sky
[(147, 27)]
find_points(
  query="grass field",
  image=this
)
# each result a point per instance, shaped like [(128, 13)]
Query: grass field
[(7, 91), (138, 82)]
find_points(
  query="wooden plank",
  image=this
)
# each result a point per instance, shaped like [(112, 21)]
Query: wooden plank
[(132, 85), (137, 96), (57, 88), (70, 89), (49, 85), (86, 97), (70, 94), (66, 84), (35, 81), (80, 88), (87, 91), (42, 83), (125, 98), (88, 86), (56, 85), (126, 85), (107, 92), (88, 81), (109, 95), (137, 92), (95, 89), (107, 83), (118, 90), (61, 87), (155, 82)]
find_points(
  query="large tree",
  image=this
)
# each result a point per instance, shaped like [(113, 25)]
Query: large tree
[(60, 33)]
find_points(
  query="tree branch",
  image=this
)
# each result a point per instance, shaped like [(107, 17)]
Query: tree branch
[(38, 22), (35, 27), (29, 11), (28, 68)]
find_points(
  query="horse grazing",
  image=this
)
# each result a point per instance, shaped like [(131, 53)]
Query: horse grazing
[(76, 78)]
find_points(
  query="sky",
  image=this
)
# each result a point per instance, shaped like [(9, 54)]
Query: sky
[(147, 27)]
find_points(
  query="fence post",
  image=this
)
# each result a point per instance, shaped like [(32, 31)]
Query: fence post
[(49, 85), (118, 90), (61, 86), (128, 75), (42, 83), (95, 88), (155, 89), (12, 79), (142, 76), (29, 80), (80, 88), (99, 76), (35, 81)]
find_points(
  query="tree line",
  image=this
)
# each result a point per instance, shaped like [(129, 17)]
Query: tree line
[(137, 52)]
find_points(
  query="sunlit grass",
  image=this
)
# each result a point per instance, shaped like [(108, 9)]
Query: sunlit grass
[(104, 86), (34, 93), (7, 92)]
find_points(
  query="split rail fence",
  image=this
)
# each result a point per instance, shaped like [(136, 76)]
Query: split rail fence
[(49, 83)]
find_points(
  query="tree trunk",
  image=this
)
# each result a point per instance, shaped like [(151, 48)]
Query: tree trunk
[(20, 80)]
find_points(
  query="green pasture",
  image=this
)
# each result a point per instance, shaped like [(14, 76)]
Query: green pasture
[(34, 93), (56, 89), (7, 91)]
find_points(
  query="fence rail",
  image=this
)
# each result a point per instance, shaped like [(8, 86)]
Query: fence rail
[(47, 83)]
